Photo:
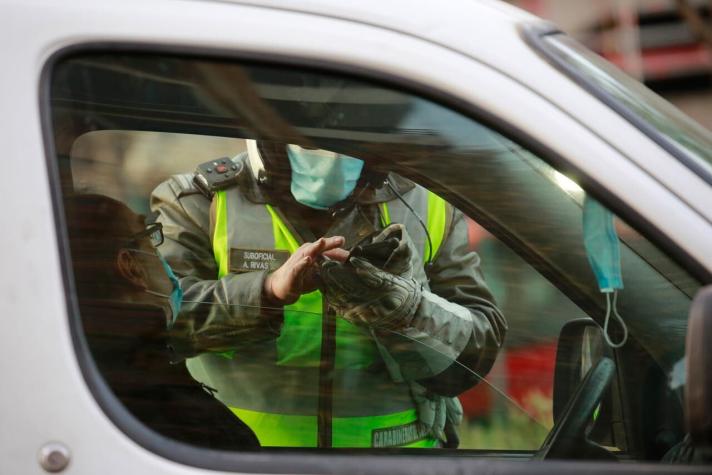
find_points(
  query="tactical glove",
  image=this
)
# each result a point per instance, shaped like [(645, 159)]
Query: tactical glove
[(364, 294), (368, 295), (394, 251)]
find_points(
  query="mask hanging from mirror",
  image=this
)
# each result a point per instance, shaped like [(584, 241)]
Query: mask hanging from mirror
[(604, 256)]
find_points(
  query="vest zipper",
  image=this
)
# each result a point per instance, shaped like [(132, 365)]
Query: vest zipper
[(326, 375)]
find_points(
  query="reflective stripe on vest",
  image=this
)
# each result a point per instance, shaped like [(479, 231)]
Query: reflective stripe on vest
[(346, 432), (299, 345)]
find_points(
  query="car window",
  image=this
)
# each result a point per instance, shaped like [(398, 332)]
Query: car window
[(441, 312)]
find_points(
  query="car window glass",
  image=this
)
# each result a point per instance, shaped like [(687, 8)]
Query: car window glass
[(190, 185)]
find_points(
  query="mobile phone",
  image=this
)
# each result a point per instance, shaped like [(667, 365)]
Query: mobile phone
[(375, 253)]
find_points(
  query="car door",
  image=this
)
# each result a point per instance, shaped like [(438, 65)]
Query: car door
[(114, 97)]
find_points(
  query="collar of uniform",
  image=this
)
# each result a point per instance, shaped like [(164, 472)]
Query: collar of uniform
[(382, 193), (364, 195)]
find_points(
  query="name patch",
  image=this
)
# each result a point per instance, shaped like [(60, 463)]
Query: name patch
[(399, 435), (250, 260)]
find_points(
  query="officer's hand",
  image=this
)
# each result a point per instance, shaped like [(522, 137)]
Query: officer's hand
[(402, 259), (364, 294), (297, 276)]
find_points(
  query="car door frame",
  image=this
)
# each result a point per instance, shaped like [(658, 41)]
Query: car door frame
[(50, 47)]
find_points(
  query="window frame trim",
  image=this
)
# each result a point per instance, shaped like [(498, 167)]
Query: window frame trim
[(535, 37)]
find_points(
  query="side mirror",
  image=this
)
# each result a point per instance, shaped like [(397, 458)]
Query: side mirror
[(580, 347), (582, 398), (698, 391)]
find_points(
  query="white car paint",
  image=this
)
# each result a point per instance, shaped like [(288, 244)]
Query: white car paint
[(471, 51)]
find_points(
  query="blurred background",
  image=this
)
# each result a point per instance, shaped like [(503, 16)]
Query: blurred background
[(667, 44)]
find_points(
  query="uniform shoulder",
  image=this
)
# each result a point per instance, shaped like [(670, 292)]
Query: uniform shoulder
[(184, 184)]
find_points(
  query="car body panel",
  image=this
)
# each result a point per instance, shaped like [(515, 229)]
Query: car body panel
[(494, 37), (46, 396)]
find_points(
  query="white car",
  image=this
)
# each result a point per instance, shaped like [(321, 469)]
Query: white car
[(491, 109)]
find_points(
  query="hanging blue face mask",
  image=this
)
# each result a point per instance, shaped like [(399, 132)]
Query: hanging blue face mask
[(602, 245), (604, 256), (320, 178)]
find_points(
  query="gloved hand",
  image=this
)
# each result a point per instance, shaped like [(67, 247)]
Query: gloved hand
[(365, 294), (398, 247)]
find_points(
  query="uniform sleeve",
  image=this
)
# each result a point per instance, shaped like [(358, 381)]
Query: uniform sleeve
[(457, 330), (217, 314)]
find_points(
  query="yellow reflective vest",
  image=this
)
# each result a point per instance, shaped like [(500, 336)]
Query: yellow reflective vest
[(320, 358)]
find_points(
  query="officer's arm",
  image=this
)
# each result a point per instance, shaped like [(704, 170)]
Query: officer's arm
[(217, 314), (457, 330)]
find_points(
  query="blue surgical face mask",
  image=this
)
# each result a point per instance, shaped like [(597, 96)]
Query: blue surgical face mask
[(604, 256), (602, 245), (320, 178), (175, 299)]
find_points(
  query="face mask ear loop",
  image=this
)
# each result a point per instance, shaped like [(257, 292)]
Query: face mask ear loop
[(606, 336)]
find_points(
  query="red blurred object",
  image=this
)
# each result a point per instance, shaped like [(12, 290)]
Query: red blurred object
[(669, 62), (475, 233), (534, 6), (530, 370), (477, 402)]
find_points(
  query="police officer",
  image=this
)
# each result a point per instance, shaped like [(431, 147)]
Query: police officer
[(307, 345)]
